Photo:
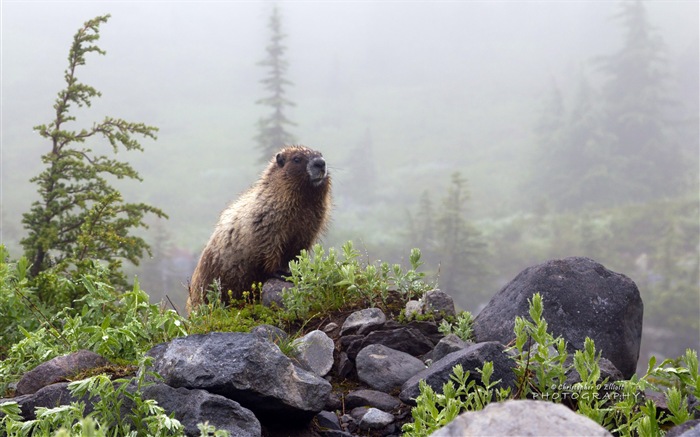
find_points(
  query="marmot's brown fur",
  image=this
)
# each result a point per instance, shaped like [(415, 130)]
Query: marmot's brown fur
[(257, 235)]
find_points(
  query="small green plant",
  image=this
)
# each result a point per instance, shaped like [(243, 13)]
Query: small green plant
[(119, 326), (325, 282), (240, 316), (461, 393), (206, 430), (461, 327), (145, 417)]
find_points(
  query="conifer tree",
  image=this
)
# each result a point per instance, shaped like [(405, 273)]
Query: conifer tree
[(636, 104), (272, 129), (460, 245), (79, 217)]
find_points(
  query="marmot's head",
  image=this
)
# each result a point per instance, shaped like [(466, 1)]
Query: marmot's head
[(301, 167)]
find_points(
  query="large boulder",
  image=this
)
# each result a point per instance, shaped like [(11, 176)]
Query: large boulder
[(191, 407), (522, 418), (471, 358), (246, 368), (581, 298)]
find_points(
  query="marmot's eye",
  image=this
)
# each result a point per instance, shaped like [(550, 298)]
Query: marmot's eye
[(296, 160)]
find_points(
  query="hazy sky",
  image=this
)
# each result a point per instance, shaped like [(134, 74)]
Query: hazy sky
[(409, 71)]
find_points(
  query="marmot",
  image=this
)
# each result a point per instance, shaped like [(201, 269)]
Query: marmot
[(267, 227)]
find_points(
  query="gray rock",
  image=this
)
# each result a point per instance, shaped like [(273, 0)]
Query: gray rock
[(270, 332), (448, 344), (344, 366), (386, 369), (438, 303), (351, 345), (413, 308), (330, 328), (581, 298), (522, 418), (243, 367), (404, 339), (272, 292), (314, 352), (471, 358), (58, 369), (690, 428), (327, 420), (191, 407), (429, 329), (375, 419), (363, 321), (357, 412), (50, 396), (371, 398)]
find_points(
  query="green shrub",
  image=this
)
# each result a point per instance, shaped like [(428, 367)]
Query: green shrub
[(461, 327), (119, 326), (326, 282), (541, 369)]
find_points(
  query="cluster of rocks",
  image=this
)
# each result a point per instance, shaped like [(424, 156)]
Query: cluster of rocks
[(243, 383)]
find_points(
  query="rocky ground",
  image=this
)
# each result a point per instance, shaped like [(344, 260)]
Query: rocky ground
[(358, 373)]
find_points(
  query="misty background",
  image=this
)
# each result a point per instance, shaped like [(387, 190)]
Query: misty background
[(398, 96)]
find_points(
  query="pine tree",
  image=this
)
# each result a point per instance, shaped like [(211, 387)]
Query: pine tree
[(80, 218), (636, 104), (272, 132), (548, 175), (460, 245)]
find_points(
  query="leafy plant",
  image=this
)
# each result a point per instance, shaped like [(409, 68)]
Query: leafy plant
[(144, 416), (540, 357), (324, 282), (119, 326), (541, 370), (461, 327), (433, 410)]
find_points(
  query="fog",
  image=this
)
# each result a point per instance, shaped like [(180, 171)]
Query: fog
[(429, 88)]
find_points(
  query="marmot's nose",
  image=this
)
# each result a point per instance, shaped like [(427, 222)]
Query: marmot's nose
[(319, 163)]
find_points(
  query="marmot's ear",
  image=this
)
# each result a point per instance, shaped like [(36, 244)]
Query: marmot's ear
[(280, 159)]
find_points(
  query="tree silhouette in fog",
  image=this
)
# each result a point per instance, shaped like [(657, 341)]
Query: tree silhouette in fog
[(637, 102), (618, 144), (272, 131)]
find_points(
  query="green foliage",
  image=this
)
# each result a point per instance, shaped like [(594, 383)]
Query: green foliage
[(433, 410), (17, 301), (539, 356), (325, 282), (80, 218), (119, 326), (461, 327), (240, 316), (145, 417), (206, 430), (273, 134), (541, 369)]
